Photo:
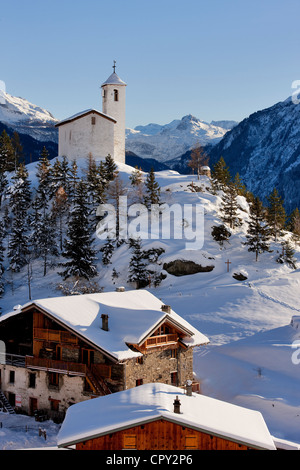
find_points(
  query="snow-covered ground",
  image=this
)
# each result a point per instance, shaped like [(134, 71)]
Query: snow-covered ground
[(252, 358)]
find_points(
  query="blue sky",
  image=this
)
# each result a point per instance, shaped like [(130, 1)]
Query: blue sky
[(215, 59)]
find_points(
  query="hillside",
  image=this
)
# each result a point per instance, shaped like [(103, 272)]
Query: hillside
[(247, 322), (265, 150)]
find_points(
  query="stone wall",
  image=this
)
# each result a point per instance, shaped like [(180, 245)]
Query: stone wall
[(70, 389), (158, 366)]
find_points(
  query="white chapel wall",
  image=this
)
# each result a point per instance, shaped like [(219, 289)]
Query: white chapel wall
[(79, 138)]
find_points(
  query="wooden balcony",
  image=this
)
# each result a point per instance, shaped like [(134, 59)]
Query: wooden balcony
[(55, 336), (161, 340), (65, 367)]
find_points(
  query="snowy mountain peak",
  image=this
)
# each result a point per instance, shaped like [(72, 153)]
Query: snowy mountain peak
[(166, 142), (28, 118)]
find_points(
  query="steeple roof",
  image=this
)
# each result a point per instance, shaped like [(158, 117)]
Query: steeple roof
[(114, 79)]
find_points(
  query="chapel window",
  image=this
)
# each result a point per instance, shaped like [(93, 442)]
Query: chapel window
[(116, 95)]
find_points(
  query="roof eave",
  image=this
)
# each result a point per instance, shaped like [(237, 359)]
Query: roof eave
[(175, 420), (84, 114)]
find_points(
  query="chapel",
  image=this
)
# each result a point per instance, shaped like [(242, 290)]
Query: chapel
[(94, 132)]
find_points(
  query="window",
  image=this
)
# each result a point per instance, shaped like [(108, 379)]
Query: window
[(93, 120), (116, 95), (53, 379), (191, 442), (173, 353), (129, 441), (138, 382), (140, 360), (11, 376), (31, 380)]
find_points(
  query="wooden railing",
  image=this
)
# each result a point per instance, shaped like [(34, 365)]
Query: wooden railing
[(65, 367), (57, 336), (160, 340), (52, 365)]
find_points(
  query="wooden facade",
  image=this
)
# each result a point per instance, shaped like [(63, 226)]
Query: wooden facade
[(160, 435)]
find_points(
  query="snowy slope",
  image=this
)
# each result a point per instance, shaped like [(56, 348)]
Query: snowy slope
[(26, 118), (247, 322), (172, 140)]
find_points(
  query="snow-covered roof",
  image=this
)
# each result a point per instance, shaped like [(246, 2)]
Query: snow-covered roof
[(153, 401), (133, 315), (113, 79), (82, 114)]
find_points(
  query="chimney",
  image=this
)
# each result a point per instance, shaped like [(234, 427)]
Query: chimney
[(104, 322), (166, 308), (189, 388), (176, 405)]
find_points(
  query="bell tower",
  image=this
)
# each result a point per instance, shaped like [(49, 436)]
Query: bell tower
[(113, 105)]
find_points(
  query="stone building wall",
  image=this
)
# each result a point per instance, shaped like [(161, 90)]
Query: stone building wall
[(158, 366), (70, 389)]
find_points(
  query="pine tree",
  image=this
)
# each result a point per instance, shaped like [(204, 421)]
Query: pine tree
[(78, 249), (220, 234), (47, 242), (110, 168), (19, 192), (137, 266), (73, 180), (17, 148), (41, 201), (18, 248), (3, 184), (287, 255), (276, 213), (152, 195), (137, 183), (293, 224), (44, 175), (239, 185), (115, 190), (7, 154), (258, 233), (107, 251), (60, 211), (229, 207), (220, 175)]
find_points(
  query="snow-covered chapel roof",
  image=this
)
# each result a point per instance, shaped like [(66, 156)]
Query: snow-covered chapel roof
[(113, 79), (132, 316), (84, 113)]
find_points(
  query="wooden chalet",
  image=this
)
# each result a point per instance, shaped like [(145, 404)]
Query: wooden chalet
[(63, 350), (162, 417)]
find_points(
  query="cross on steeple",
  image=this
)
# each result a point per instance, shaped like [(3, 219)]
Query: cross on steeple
[(114, 66)]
